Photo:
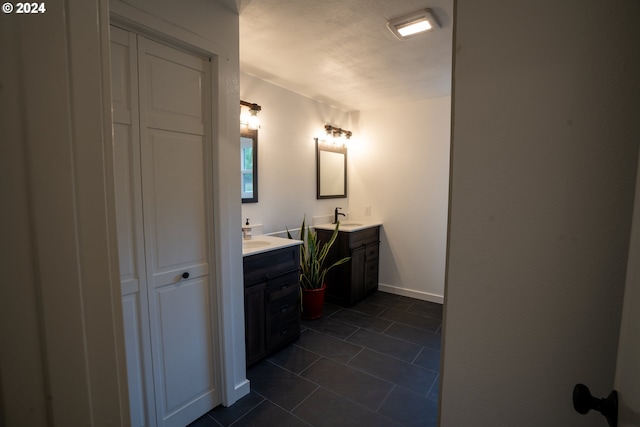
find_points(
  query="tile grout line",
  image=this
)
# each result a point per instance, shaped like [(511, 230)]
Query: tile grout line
[(318, 386), (214, 420), (352, 357), (413, 362), (393, 322), (436, 383), (264, 399), (384, 332), (386, 398), (352, 333), (391, 357), (307, 368)]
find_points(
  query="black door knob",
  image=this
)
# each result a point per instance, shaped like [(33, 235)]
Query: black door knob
[(583, 402), (185, 275)]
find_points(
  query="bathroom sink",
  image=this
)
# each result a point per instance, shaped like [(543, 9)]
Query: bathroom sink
[(349, 226), (255, 244), (262, 243)]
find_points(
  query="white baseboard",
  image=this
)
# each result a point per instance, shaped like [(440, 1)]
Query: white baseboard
[(411, 293), (240, 390)]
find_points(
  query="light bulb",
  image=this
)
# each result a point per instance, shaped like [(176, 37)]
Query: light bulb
[(254, 121)]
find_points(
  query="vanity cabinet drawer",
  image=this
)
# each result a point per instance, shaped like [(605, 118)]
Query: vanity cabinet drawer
[(284, 307), (282, 286), (272, 301), (370, 269), (371, 251), (262, 266), (282, 333), (363, 237)]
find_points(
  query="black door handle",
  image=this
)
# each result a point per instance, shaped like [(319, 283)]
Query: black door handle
[(583, 402)]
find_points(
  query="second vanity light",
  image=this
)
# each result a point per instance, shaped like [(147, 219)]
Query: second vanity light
[(337, 136)]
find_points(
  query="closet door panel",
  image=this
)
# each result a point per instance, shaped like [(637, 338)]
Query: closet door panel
[(172, 97), (128, 195), (125, 214), (133, 339), (126, 152), (184, 334), (174, 195), (173, 89), (121, 66)]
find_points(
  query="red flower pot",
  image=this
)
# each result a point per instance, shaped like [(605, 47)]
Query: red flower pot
[(312, 302)]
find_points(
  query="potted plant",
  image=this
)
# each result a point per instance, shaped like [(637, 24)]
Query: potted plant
[(312, 270)]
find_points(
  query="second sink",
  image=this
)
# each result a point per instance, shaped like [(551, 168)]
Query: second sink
[(254, 244)]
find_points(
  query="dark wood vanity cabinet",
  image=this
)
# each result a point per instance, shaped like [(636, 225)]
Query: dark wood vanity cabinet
[(271, 301), (350, 282)]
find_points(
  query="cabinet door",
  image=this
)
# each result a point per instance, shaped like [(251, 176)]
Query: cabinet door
[(371, 268), (255, 301), (357, 275), (173, 108)]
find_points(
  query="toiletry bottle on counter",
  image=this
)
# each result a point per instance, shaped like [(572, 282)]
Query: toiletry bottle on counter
[(246, 230)]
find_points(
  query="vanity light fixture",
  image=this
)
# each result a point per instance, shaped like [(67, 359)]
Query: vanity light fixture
[(337, 133), (249, 117), (413, 24)]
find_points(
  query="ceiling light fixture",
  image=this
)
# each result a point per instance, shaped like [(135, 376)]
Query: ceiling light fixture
[(414, 24)]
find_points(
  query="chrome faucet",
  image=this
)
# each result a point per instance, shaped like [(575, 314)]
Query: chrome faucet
[(335, 215)]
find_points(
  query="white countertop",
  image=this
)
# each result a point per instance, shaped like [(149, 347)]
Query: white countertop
[(350, 225), (262, 243)]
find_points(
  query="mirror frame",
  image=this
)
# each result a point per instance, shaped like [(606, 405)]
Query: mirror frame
[(253, 135), (320, 146)]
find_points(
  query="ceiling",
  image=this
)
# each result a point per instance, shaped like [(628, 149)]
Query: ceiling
[(340, 52)]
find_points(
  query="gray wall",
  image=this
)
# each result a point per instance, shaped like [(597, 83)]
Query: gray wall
[(544, 152)]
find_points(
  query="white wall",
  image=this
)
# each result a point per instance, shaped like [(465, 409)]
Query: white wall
[(399, 166), (544, 155), (287, 156)]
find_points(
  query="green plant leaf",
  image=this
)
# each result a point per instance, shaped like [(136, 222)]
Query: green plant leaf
[(313, 256)]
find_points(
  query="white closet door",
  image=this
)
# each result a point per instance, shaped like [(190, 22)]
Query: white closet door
[(173, 108), (126, 131)]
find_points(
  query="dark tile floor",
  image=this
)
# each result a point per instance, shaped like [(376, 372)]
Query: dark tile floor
[(373, 364)]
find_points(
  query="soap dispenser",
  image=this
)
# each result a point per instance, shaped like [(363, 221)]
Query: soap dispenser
[(246, 230)]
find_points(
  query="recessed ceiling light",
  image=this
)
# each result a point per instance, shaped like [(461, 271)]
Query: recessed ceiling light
[(414, 24)]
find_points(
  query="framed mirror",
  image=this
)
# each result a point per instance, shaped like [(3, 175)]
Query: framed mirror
[(331, 171), (249, 165)]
